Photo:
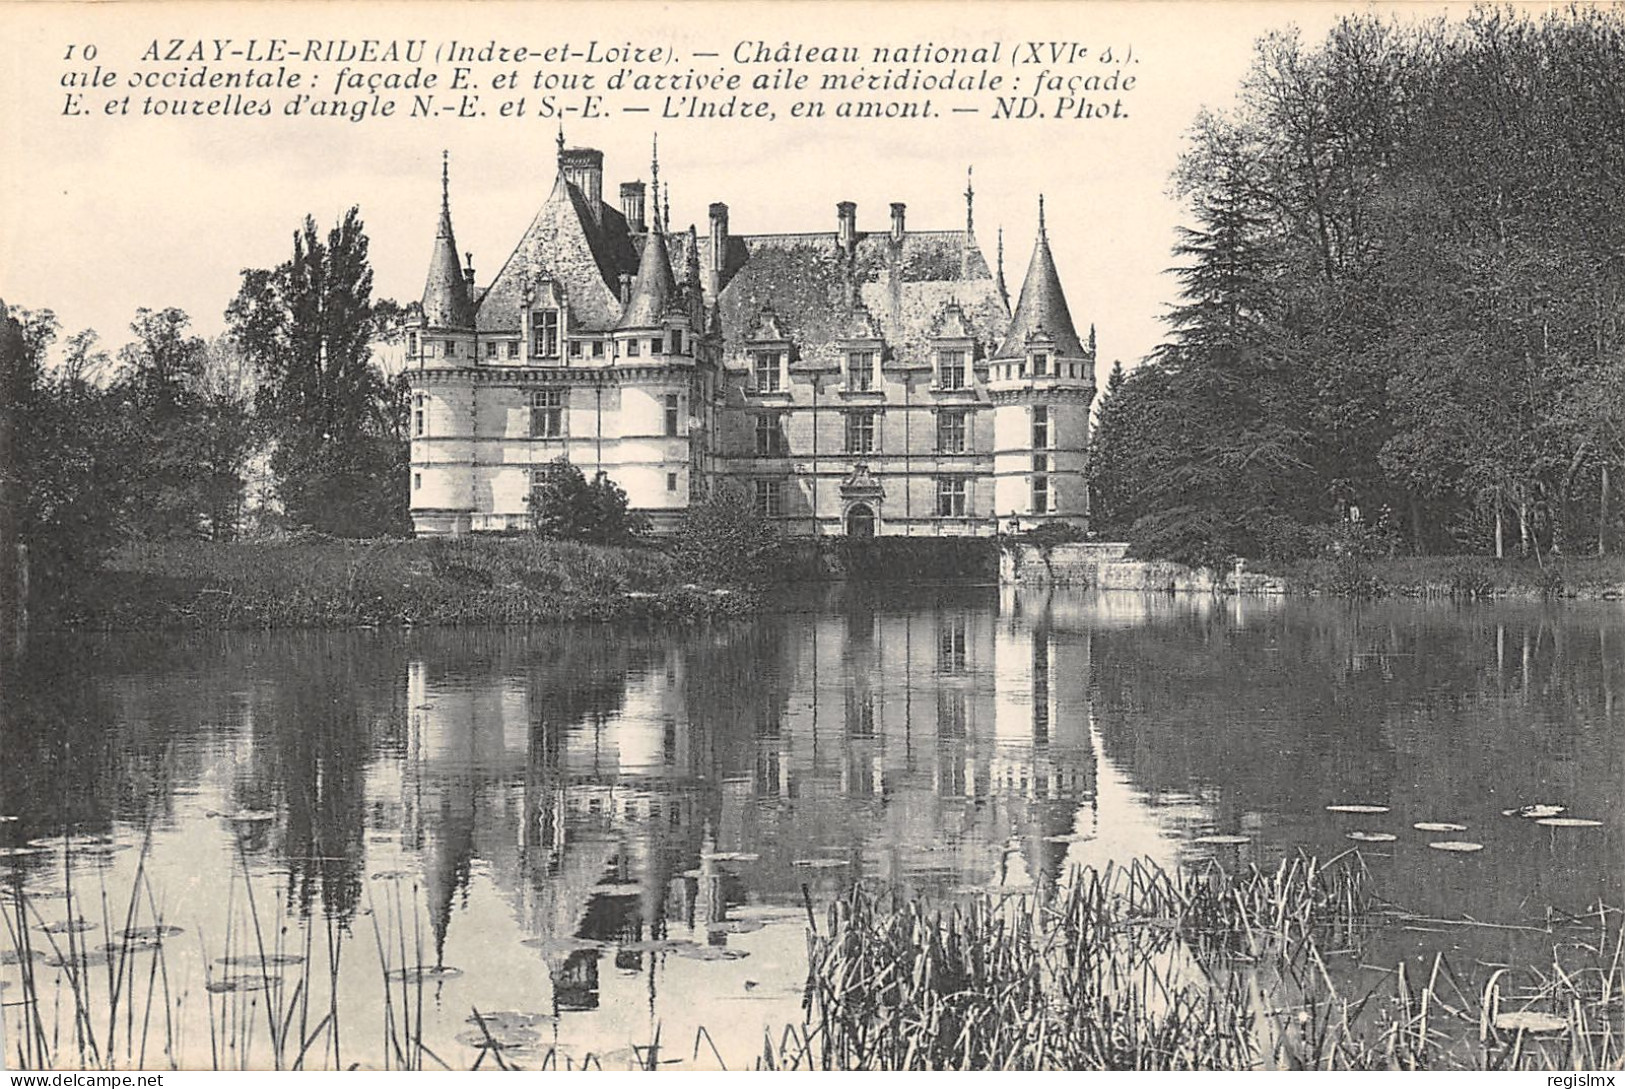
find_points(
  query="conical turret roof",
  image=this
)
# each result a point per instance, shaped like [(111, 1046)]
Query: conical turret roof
[(1042, 308), (446, 304), (655, 287)]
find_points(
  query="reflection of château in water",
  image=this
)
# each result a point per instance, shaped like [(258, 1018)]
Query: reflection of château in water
[(594, 779)]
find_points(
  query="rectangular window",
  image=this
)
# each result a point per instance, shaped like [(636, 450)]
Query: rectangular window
[(769, 501), (860, 371), (672, 407), (598, 349), (544, 328), (770, 442), (547, 413), (767, 371), (860, 432), (1041, 426), (420, 414), (1040, 495), (490, 349), (654, 347), (513, 349), (1040, 365), (951, 369), (634, 348), (952, 639), (451, 348), (417, 481), (676, 342), (950, 431), (671, 482), (1040, 463), (575, 349), (953, 716), (411, 345), (860, 714), (950, 497)]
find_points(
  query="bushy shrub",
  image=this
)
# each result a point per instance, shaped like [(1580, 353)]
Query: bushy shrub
[(565, 506), (725, 539)]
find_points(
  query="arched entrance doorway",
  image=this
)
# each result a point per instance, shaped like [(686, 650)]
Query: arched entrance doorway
[(860, 521)]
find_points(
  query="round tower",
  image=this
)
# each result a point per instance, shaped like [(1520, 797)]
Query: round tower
[(1041, 381), (441, 347)]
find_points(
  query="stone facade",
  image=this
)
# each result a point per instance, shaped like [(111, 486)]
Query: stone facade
[(852, 382)]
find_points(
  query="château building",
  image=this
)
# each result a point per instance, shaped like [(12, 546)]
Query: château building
[(853, 382)]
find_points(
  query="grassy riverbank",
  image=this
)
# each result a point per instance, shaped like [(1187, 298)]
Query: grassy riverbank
[(1593, 577), (333, 584)]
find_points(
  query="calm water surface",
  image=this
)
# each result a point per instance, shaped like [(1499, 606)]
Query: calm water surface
[(535, 810)]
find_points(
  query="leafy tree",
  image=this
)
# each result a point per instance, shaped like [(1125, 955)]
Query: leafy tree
[(64, 463), (308, 326), (724, 538), (566, 506)]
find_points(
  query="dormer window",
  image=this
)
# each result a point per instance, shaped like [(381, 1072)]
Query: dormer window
[(544, 331), (769, 371), (951, 368), (676, 342), (860, 371), (411, 345), (1040, 364)]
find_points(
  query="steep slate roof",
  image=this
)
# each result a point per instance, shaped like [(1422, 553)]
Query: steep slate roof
[(812, 288), (655, 289), (811, 284), (564, 243), (446, 304), (1042, 307)]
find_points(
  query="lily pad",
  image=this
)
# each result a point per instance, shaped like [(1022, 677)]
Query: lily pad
[(393, 875), (1535, 812), (1373, 837), (51, 843), (1569, 822), (1438, 826), (1457, 845), (250, 816), (239, 984), (254, 960), (419, 972), (1357, 808), (735, 926), (692, 951), (500, 1039), (1530, 1021), (9, 957), (651, 945), (730, 856), (153, 933), (1221, 839), (85, 958), (821, 863), (563, 946), (69, 926)]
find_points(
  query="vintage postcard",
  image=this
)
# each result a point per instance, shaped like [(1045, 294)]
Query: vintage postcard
[(783, 536)]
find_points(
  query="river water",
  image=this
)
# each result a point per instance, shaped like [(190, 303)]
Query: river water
[(611, 834)]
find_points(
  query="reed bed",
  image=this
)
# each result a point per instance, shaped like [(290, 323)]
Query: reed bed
[(1136, 968)]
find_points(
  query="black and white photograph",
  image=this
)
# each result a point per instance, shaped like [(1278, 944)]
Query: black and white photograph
[(788, 536)]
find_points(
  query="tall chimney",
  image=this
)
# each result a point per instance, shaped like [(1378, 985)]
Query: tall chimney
[(719, 249), (846, 233), (897, 210), (584, 168), (626, 288), (468, 269), (632, 205)]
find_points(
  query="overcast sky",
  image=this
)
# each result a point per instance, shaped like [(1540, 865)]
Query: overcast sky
[(107, 215)]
